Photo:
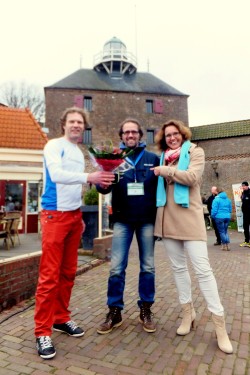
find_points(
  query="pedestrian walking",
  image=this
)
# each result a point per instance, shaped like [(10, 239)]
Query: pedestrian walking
[(245, 207), (221, 213), (209, 202)]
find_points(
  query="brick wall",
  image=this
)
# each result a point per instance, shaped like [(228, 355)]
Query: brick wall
[(233, 157), (111, 108), (18, 279), (19, 275)]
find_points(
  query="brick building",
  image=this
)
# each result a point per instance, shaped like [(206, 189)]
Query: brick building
[(112, 91), (228, 145)]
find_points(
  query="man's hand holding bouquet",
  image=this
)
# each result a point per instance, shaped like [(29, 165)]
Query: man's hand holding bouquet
[(110, 159)]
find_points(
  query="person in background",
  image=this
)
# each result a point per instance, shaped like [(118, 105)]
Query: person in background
[(180, 223), (10, 206), (221, 214), (134, 210), (245, 207), (62, 227), (209, 203)]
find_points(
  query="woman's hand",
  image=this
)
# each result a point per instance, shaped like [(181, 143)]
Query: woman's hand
[(156, 170)]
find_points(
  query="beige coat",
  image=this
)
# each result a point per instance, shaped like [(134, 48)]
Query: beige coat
[(174, 221)]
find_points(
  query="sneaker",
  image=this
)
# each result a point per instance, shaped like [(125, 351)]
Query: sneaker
[(217, 243), (45, 347), (245, 244), (70, 328), (113, 320), (146, 317)]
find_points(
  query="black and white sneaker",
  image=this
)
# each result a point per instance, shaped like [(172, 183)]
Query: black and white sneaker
[(45, 347), (70, 328)]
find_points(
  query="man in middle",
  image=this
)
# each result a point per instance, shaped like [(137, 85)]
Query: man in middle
[(134, 211)]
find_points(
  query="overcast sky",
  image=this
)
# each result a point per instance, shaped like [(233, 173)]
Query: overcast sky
[(202, 48)]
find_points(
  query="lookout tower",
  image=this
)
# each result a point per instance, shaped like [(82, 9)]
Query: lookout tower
[(114, 59)]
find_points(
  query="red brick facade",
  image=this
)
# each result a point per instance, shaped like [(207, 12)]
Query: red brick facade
[(111, 108), (232, 155)]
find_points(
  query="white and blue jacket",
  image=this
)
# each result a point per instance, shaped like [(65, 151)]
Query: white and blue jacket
[(63, 175)]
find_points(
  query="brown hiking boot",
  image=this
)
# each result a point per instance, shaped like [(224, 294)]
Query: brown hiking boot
[(113, 320), (146, 317)]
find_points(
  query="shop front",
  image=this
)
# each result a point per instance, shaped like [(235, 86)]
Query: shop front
[(20, 186), (22, 196)]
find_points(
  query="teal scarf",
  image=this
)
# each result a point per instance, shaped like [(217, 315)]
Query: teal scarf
[(181, 192)]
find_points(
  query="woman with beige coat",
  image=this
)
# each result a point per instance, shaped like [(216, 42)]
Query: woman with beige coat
[(181, 225)]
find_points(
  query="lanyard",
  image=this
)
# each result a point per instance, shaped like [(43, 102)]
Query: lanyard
[(136, 161)]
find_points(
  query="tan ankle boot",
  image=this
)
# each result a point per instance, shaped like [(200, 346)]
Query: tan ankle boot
[(222, 337), (188, 319), (224, 247)]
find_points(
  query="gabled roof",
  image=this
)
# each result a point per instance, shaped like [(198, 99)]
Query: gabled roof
[(222, 130), (89, 79), (19, 129)]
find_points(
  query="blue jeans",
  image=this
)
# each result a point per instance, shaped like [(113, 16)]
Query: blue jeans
[(222, 225), (122, 238)]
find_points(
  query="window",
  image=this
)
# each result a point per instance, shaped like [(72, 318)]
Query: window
[(87, 103), (83, 102), (149, 106), (158, 106), (32, 197), (87, 136), (150, 136), (154, 106), (78, 101)]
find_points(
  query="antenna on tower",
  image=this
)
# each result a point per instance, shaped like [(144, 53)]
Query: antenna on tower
[(80, 61), (135, 34), (148, 64)]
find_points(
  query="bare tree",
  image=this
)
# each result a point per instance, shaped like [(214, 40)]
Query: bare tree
[(23, 95)]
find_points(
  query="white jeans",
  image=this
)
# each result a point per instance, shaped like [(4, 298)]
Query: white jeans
[(197, 251)]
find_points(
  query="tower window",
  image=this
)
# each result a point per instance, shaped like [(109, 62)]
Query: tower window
[(87, 136), (154, 106), (87, 102), (149, 106), (150, 136)]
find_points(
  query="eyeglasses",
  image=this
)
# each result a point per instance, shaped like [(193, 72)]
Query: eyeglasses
[(133, 132), (172, 135)]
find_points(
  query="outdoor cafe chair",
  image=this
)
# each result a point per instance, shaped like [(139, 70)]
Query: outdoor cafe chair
[(14, 231), (5, 233)]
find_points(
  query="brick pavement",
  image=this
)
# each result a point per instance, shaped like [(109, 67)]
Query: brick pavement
[(128, 350)]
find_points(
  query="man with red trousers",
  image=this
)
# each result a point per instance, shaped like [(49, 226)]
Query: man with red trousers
[(62, 227)]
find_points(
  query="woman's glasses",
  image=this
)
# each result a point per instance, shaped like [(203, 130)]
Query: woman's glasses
[(175, 134)]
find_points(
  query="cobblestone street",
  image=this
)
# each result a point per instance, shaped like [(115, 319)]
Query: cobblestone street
[(128, 350)]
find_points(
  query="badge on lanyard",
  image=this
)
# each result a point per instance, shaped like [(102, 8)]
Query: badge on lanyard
[(135, 188)]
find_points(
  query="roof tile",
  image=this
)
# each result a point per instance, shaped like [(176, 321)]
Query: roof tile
[(222, 130), (19, 129)]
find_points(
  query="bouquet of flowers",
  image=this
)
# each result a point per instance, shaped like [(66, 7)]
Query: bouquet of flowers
[(109, 158)]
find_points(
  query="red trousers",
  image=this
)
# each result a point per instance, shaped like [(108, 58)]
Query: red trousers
[(61, 233)]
